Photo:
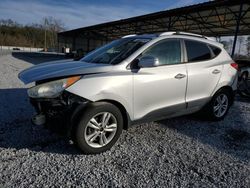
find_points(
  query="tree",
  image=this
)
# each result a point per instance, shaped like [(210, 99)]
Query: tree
[(51, 27), (228, 44), (32, 35), (248, 46), (241, 39)]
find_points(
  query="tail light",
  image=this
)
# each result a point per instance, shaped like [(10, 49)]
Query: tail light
[(235, 65)]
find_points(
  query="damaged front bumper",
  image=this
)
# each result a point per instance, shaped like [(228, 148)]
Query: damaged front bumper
[(58, 114)]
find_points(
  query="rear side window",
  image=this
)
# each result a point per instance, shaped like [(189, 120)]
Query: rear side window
[(197, 51), (215, 50)]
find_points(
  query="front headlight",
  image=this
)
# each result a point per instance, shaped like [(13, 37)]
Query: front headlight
[(51, 89)]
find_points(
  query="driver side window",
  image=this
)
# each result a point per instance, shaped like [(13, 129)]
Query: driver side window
[(167, 51)]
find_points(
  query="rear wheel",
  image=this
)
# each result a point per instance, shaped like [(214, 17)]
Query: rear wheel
[(219, 105), (99, 128)]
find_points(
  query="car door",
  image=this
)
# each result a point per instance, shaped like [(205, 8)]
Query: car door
[(160, 91), (204, 71)]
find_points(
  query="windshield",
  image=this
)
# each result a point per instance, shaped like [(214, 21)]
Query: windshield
[(116, 51)]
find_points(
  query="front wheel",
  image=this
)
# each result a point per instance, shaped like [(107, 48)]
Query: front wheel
[(99, 128)]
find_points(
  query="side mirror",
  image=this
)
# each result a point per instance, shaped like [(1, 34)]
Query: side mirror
[(148, 61)]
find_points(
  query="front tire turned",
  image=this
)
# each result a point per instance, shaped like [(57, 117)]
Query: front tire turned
[(99, 128)]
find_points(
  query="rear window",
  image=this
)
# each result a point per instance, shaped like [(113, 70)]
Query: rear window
[(215, 50), (197, 51)]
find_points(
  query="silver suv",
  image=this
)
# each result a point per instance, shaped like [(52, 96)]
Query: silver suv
[(135, 79)]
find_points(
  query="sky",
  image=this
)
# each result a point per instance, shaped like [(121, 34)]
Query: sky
[(80, 13)]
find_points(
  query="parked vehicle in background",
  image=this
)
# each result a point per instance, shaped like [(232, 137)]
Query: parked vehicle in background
[(16, 49), (135, 79), (244, 77)]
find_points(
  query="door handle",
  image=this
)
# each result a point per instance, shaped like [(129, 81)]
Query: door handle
[(180, 76), (216, 71)]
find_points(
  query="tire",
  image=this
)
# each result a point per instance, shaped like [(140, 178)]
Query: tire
[(96, 131), (213, 108), (243, 76), (243, 86)]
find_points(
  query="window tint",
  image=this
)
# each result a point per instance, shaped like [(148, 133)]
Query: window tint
[(167, 51), (215, 50), (197, 51)]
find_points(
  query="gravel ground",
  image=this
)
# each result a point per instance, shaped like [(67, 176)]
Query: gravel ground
[(180, 152)]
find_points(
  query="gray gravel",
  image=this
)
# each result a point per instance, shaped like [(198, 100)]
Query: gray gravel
[(182, 152)]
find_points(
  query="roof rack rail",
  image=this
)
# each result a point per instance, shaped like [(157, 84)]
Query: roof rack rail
[(126, 36), (168, 33), (185, 33)]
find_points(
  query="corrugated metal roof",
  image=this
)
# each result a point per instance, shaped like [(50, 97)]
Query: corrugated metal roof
[(213, 18)]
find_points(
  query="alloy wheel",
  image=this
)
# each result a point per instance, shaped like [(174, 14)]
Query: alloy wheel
[(100, 129), (220, 105)]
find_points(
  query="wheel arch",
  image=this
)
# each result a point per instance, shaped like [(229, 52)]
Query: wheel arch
[(230, 91), (80, 109), (125, 115)]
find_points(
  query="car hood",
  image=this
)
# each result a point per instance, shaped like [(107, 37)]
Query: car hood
[(57, 69)]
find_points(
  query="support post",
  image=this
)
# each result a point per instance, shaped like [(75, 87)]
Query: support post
[(45, 34), (88, 48), (237, 30), (74, 43), (58, 46), (169, 23)]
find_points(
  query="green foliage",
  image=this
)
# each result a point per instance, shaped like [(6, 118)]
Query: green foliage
[(14, 34)]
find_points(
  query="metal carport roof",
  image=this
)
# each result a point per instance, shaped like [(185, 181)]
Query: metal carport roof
[(213, 18)]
